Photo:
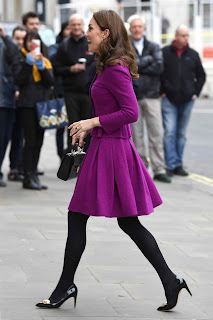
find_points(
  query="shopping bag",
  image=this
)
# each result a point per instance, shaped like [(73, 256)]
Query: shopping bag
[(52, 113)]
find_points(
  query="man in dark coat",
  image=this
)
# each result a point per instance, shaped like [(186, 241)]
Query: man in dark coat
[(74, 73), (147, 90), (16, 146), (7, 93), (181, 83)]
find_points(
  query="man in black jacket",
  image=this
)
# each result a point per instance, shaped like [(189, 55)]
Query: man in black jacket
[(7, 92), (181, 83), (147, 90), (74, 73)]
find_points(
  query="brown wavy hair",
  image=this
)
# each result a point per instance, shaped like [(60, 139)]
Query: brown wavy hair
[(116, 49)]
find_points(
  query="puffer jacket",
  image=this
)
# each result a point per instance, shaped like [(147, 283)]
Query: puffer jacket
[(31, 92), (8, 50), (150, 66)]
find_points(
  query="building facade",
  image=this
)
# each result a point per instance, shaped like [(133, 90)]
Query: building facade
[(162, 18)]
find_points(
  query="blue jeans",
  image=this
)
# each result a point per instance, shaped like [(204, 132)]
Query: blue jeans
[(175, 122)]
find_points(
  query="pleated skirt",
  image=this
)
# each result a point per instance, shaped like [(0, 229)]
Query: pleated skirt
[(113, 181)]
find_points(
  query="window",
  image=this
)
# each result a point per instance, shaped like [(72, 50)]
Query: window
[(191, 16), (206, 15)]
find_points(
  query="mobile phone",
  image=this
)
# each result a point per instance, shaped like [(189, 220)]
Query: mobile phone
[(36, 46)]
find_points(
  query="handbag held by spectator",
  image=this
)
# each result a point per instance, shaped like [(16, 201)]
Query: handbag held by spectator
[(52, 113)]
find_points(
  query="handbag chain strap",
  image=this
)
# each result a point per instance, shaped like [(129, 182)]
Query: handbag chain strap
[(78, 150)]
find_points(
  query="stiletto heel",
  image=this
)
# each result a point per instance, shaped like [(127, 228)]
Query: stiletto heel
[(71, 292), (75, 301), (178, 285), (187, 288)]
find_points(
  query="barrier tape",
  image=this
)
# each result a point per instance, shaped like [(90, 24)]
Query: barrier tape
[(172, 35)]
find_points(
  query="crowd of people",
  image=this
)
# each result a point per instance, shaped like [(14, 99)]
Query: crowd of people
[(170, 79)]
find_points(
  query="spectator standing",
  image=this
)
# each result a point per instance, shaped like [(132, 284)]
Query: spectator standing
[(164, 27), (74, 73), (18, 132), (34, 76), (52, 51), (147, 90), (7, 93), (64, 33), (31, 21), (181, 83), (18, 35)]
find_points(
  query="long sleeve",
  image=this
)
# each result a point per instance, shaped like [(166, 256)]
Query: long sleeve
[(119, 83), (47, 77), (11, 49), (60, 68), (200, 76), (152, 66), (21, 70)]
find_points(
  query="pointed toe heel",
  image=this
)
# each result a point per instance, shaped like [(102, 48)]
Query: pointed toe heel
[(178, 285), (71, 292)]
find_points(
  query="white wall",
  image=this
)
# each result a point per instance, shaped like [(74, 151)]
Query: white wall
[(27, 5), (1, 10), (176, 11), (50, 11)]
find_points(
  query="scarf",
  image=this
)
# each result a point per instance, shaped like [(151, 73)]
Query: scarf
[(36, 73)]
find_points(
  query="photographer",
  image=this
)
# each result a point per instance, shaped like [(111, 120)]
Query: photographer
[(34, 76)]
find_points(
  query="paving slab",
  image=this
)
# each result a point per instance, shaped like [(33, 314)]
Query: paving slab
[(98, 318), (23, 307), (148, 308), (115, 281)]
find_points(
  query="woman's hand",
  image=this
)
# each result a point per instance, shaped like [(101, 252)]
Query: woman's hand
[(78, 67), (84, 125), (33, 54), (79, 138), (79, 130), (2, 32)]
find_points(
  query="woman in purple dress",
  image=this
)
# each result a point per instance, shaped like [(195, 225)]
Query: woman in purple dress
[(113, 181)]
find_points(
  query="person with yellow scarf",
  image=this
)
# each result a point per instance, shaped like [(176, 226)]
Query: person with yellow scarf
[(34, 75)]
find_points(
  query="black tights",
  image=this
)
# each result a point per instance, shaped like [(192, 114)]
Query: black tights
[(76, 242)]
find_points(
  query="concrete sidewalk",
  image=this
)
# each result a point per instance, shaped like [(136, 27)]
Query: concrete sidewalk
[(114, 279)]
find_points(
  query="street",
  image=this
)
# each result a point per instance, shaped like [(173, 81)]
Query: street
[(199, 148), (114, 279)]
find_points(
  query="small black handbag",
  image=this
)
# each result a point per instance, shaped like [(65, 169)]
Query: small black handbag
[(71, 164)]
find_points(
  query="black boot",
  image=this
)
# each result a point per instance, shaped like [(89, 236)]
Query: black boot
[(29, 182), (37, 180)]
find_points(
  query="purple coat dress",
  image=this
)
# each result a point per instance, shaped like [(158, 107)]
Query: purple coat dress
[(113, 181)]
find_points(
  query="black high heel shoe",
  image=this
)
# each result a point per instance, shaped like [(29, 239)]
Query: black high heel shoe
[(178, 285), (71, 292)]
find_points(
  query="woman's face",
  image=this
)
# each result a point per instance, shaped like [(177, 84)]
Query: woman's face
[(29, 45), (66, 31), (94, 36)]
